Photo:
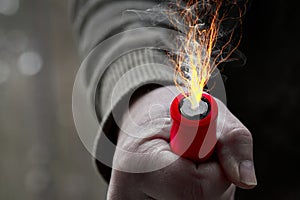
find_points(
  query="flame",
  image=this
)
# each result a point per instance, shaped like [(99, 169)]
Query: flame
[(199, 54)]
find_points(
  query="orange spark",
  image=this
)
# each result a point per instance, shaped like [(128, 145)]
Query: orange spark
[(199, 54)]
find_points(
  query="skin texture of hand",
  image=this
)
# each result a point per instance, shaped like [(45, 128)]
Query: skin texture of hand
[(146, 168)]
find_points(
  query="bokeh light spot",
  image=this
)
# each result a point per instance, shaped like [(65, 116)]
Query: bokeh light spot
[(30, 63), (9, 7)]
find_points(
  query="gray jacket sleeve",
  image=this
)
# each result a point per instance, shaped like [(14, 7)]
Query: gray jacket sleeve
[(125, 52)]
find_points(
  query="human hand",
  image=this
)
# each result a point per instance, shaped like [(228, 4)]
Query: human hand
[(145, 167)]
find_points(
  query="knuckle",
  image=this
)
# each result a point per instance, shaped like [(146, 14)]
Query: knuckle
[(239, 135), (242, 136)]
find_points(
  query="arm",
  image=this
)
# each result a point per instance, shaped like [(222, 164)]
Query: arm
[(125, 46), (210, 180)]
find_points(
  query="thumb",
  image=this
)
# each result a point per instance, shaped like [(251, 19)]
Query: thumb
[(235, 151)]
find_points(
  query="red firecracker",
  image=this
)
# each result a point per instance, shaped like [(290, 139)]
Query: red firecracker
[(193, 132)]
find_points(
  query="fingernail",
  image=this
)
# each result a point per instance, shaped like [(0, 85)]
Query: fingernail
[(247, 173)]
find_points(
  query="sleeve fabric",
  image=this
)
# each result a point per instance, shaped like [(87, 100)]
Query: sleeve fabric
[(97, 21)]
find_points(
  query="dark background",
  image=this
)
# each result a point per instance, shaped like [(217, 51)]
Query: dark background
[(41, 154), (265, 96)]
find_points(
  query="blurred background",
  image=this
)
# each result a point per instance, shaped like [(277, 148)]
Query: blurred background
[(41, 154)]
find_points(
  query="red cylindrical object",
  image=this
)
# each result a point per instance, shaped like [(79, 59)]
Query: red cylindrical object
[(193, 139)]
